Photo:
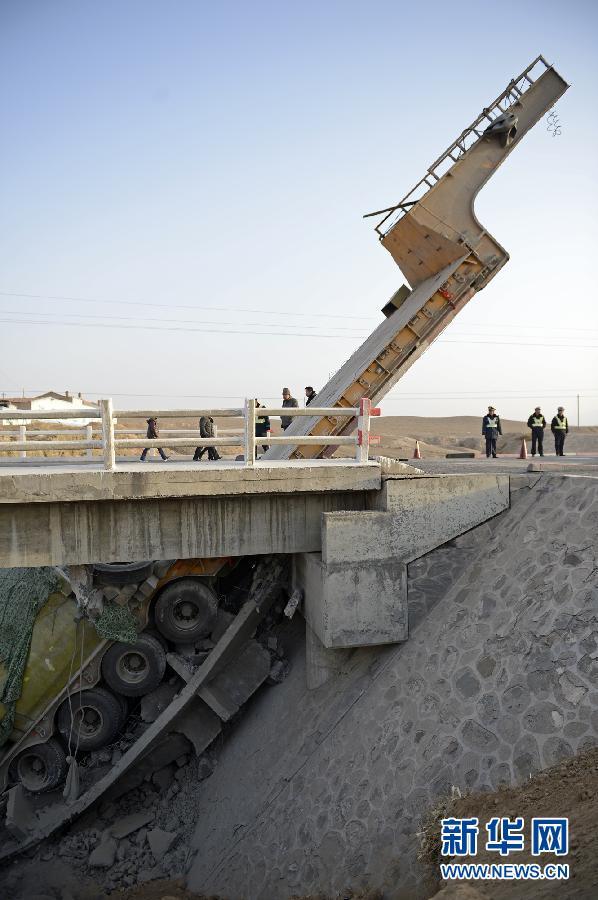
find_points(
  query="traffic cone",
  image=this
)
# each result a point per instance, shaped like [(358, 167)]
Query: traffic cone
[(523, 451), (417, 452)]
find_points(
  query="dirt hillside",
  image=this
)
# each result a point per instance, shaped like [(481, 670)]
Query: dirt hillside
[(569, 789)]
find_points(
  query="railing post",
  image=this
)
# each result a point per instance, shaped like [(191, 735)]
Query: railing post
[(362, 451), (108, 434), (249, 432), (88, 431), (22, 438)]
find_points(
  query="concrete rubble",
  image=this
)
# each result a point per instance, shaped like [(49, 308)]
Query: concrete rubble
[(104, 854), (143, 835), (160, 842), (128, 825)]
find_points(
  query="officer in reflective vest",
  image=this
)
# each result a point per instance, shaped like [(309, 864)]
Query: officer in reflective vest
[(537, 423), (491, 428), (560, 428)]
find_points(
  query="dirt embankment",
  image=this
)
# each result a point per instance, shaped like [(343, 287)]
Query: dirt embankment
[(569, 789)]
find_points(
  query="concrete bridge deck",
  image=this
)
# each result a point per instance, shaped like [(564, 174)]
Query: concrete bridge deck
[(71, 481)]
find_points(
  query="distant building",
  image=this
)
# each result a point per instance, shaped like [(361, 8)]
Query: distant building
[(50, 401)]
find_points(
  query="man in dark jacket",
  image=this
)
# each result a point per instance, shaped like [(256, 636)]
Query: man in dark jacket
[(537, 423), (152, 434), (206, 430), (287, 402), (309, 395), (262, 426), (560, 428), (491, 428)]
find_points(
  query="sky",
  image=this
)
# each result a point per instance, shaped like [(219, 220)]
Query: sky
[(193, 176)]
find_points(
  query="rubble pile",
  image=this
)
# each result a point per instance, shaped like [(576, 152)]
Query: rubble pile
[(141, 836)]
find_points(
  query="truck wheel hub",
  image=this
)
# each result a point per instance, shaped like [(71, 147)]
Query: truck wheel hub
[(185, 613), (132, 666)]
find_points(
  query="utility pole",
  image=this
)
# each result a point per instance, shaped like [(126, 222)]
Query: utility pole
[(578, 410)]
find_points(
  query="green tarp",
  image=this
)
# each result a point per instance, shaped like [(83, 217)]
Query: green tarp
[(23, 592)]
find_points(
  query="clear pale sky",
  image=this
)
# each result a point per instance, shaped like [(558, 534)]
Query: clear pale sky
[(215, 160)]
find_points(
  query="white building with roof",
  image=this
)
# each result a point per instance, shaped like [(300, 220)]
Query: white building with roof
[(49, 402)]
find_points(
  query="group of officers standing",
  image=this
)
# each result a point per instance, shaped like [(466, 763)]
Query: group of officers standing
[(559, 426)]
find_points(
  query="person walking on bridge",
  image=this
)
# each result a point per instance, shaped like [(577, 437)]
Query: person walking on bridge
[(309, 395), (262, 426), (491, 428), (206, 430), (152, 434), (287, 401), (537, 423), (560, 428)]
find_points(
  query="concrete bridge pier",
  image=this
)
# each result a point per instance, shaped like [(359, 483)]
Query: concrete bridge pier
[(355, 589)]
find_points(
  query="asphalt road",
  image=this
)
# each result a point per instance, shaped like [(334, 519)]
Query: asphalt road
[(587, 464), (508, 465)]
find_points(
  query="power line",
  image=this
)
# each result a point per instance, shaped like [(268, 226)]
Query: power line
[(265, 312), (14, 312), (255, 325), (470, 343), (569, 393), (518, 344), (575, 390), (492, 395), (542, 328), (526, 337), (185, 329)]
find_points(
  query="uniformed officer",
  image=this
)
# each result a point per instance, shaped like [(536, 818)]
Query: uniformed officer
[(560, 428), (491, 428), (537, 423)]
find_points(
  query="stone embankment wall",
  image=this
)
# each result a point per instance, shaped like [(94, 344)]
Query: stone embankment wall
[(322, 790)]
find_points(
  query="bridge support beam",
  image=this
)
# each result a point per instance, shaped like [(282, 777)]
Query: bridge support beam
[(355, 589)]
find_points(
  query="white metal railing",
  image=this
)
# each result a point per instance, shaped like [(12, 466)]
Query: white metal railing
[(108, 441), (90, 433)]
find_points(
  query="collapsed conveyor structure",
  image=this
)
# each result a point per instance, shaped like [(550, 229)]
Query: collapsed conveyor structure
[(444, 252)]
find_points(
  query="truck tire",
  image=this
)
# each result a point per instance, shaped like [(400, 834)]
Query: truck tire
[(40, 768), (122, 572), (134, 669), (91, 720), (159, 637), (186, 610), (124, 709)]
